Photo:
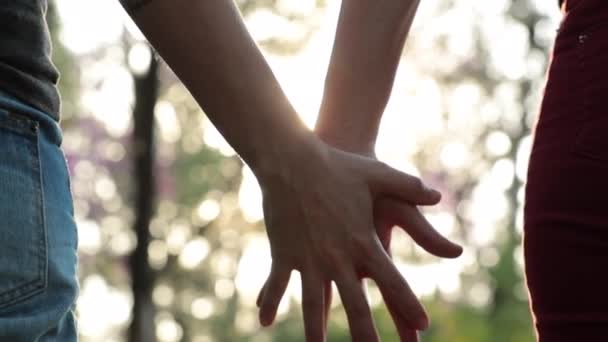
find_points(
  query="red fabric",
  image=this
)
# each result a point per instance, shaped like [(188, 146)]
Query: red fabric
[(566, 211)]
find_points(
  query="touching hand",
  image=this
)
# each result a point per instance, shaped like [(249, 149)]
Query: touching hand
[(319, 219)]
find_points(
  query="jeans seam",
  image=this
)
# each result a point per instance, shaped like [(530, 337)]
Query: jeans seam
[(43, 268)]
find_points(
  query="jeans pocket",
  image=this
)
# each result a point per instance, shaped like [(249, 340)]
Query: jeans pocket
[(592, 138), (23, 245)]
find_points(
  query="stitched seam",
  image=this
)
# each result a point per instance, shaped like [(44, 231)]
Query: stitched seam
[(21, 293), (18, 125), (43, 266)]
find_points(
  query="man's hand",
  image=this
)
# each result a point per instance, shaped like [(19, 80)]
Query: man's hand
[(320, 222)]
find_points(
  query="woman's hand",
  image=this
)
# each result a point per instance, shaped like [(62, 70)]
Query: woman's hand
[(390, 212), (390, 209), (319, 219)]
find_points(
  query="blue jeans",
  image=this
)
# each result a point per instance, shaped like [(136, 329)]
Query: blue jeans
[(38, 237)]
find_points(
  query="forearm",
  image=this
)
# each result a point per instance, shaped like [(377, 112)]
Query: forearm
[(366, 53), (207, 45)]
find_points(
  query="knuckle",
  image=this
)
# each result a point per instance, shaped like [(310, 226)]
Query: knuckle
[(364, 246), (366, 249), (334, 258)]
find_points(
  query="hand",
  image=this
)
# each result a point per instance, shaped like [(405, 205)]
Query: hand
[(319, 219), (390, 212)]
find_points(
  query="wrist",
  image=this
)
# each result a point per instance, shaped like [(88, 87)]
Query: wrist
[(285, 159), (346, 141)]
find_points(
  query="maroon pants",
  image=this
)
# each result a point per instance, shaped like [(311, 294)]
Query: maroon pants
[(566, 212)]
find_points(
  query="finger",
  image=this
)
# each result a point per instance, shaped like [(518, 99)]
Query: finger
[(258, 301), (409, 335), (418, 228), (357, 310), (384, 227), (396, 292), (275, 289), (406, 334), (327, 298), (313, 307), (389, 182)]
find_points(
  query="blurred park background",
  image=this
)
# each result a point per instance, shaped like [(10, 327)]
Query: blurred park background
[(148, 166)]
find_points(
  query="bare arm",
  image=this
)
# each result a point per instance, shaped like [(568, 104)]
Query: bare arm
[(317, 199), (211, 51), (366, 53)]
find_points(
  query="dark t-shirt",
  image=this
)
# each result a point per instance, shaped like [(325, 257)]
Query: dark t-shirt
[(26, 70)]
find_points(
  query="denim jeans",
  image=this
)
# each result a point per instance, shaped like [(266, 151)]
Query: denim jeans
[(38, 237)]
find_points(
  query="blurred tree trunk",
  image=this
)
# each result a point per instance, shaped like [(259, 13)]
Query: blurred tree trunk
[(146, 93)]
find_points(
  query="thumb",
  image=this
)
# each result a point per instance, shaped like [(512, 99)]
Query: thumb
[(387, 181)]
